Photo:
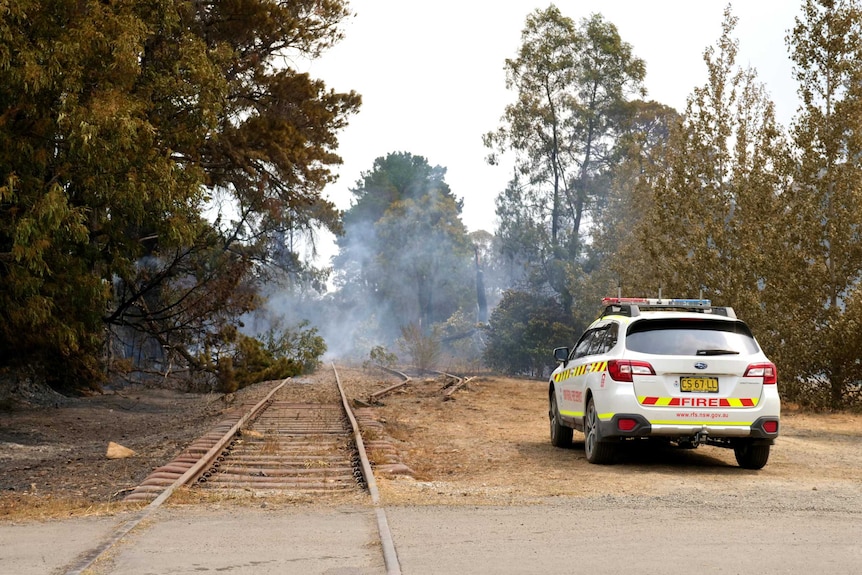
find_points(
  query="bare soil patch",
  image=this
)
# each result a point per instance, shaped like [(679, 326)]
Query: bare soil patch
[(487, 446), (53, 458), (491, 446)]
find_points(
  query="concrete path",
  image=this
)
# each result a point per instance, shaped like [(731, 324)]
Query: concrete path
[(562, 536)]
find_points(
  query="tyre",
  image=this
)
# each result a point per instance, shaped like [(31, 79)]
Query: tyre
[(561, 436), (597, 450), (750, 455)]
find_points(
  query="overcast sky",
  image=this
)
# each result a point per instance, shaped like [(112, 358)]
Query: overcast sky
[(431, 75)]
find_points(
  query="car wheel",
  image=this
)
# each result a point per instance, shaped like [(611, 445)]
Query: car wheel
[(597, 451), (561, 436), (751, 456)]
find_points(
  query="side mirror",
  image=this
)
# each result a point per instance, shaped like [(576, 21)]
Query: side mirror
[(561, 354)]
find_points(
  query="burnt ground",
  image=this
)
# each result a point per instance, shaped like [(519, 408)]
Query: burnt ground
[(53, 449), (487, 446), (59, 450)]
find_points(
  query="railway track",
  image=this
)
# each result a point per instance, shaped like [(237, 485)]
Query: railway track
[(303, 437), (296, 446), (285, 444)]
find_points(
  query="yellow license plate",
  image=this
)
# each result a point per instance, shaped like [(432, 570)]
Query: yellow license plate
[(699, 384)]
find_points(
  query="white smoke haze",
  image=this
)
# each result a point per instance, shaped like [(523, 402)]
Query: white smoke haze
[(414, 266), (351, 326)]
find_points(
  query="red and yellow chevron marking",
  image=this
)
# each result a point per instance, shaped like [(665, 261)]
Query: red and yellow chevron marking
[(698, 401), (596, 366)]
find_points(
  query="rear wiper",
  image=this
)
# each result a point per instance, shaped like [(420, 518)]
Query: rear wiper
[(717, 352)]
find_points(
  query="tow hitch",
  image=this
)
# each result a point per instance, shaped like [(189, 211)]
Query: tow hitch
[(699, 438)]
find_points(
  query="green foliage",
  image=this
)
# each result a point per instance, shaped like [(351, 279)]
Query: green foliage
[(622, 236), (824, 206), (572, 84), (726, 208), (717, 201), (711, 206), (245, 360), (523, 331), (119, 122), (49, 305), (522, 236), (380, 356), (300, 344), (708, 221), (253, 363)]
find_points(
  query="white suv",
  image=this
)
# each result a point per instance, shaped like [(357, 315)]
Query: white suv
[(677, 369)]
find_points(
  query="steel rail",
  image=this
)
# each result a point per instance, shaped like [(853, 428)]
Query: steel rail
[(456, 383), (448, 390), (92, 556), (378, 394), (390, 556), (290, 446), (266, 467), (451, 389)]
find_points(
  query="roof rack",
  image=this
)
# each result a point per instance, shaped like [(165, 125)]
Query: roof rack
[(631, 307)]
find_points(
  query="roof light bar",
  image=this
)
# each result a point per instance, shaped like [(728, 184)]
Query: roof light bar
[(657, 301)]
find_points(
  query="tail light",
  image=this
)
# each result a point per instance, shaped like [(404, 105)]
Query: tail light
[(623, 369), (626, 424), (765, 370)]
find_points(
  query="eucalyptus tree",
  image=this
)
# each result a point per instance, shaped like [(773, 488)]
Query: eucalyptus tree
[(619, 248), (572, 82), (119, 121), (405, 256), (826, 200), (523, 239)]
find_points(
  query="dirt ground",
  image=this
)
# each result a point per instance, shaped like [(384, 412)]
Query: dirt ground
[(489, 445)]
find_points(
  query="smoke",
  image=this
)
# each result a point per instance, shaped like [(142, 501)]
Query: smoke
[(349, 324), (412, 267), (405, 263)]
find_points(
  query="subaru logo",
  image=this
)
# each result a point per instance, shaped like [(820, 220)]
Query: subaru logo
[(700, 365)]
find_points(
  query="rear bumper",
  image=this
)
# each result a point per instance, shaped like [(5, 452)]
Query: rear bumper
[(619, 403), (623, 425)]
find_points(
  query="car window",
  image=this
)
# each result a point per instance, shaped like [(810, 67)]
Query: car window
[(597, 342), (611, 337), (686, 336), (583, 346)]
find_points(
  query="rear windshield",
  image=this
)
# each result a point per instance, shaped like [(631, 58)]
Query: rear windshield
[(684, 336)]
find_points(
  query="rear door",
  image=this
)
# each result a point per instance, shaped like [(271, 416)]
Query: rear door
[(586, 364), (700, 363)]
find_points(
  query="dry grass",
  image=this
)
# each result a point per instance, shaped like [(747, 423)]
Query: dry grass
[(491, 446), (370, 433), (270, 444), (399, 430), (24, 507), (488, 446), (269, 499), (376, 457)]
